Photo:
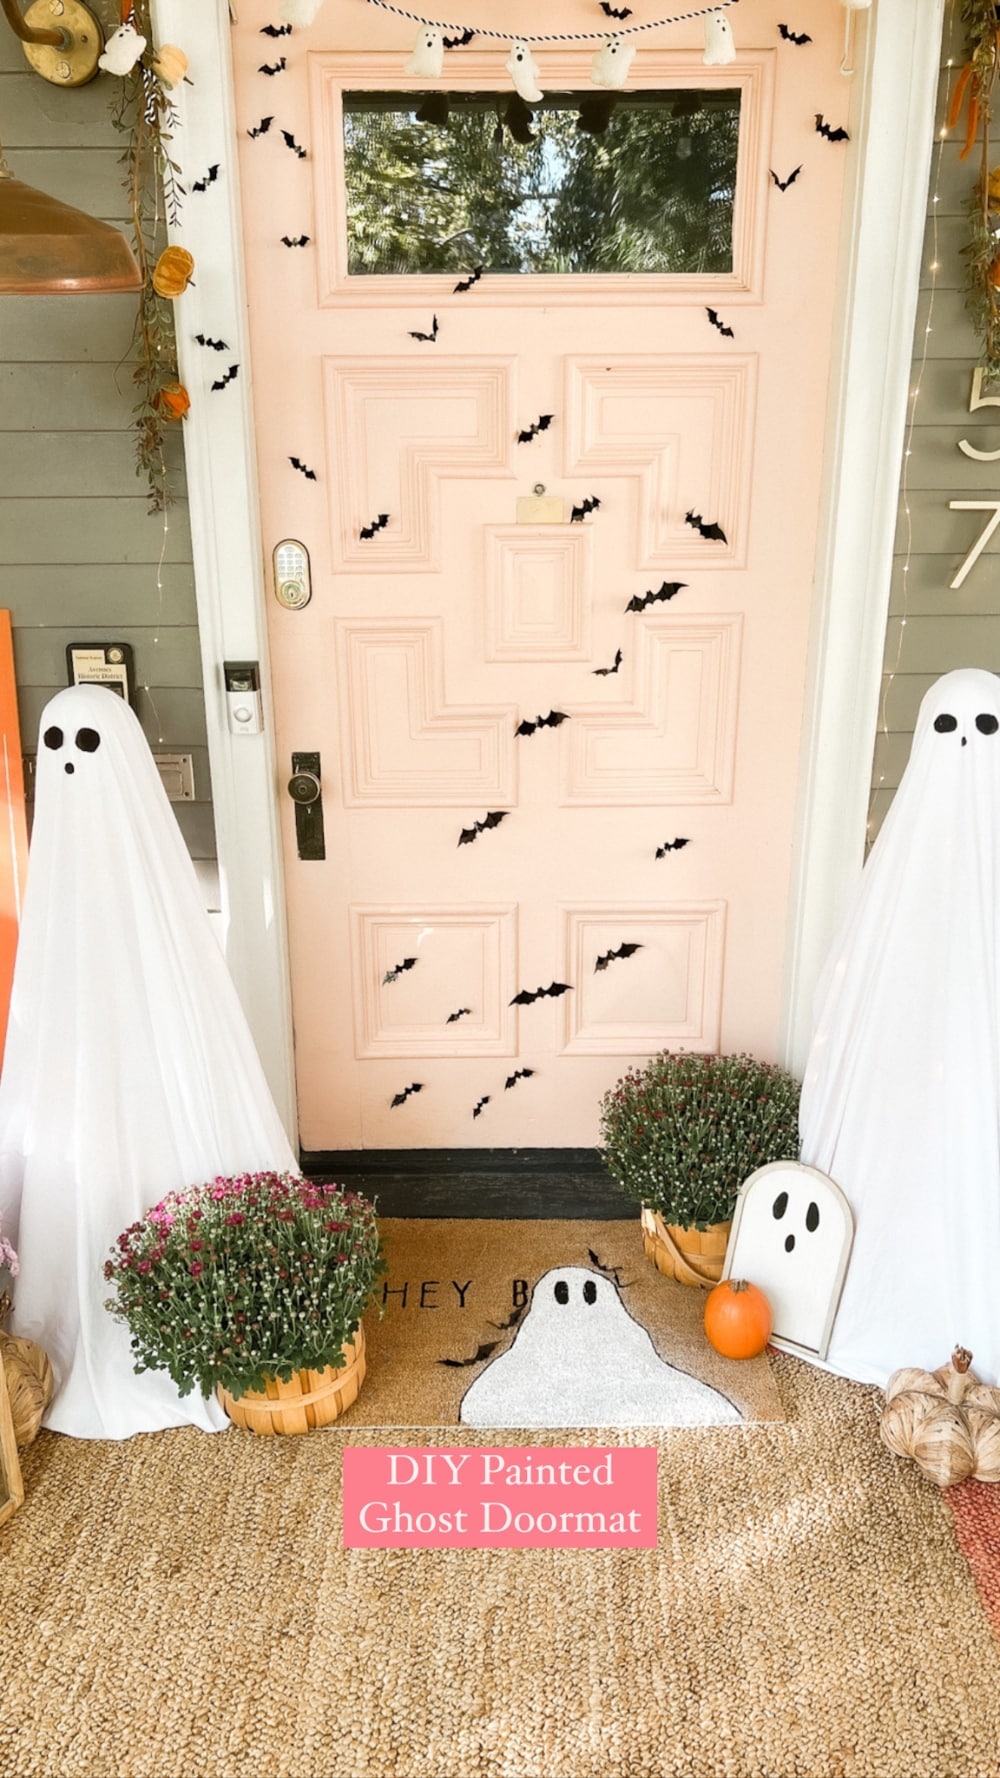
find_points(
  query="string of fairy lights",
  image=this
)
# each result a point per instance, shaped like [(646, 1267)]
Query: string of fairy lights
[(933, 268)]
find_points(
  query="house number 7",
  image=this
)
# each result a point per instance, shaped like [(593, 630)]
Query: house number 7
[(977, 399)]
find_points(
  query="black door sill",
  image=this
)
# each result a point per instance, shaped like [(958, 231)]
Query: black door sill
[(535, 1183)]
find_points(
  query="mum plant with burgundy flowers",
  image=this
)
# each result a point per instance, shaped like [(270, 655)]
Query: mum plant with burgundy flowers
[(245, 1278), (683, 1133)]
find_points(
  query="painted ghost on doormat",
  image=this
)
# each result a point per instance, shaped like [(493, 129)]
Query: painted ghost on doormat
[(129, 1070), (579, 1359), (901, 1096)]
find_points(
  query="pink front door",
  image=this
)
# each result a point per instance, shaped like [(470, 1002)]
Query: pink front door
[(559, 732)]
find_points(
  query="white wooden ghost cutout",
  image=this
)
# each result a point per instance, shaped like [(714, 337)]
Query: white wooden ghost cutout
[(579, 1359), (427, 59), (611, 64), (719, 45), (792, 1233), (122, 50), (129, 1069), (524, 72)]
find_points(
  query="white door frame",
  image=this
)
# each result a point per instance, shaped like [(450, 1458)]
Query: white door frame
[(898, 52)]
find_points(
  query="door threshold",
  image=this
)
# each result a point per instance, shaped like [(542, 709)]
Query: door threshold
[(505, 1183)]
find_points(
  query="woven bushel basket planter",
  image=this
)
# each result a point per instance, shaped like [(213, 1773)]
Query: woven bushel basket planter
[(692, 1256), (29, 1385), (311, 1399)]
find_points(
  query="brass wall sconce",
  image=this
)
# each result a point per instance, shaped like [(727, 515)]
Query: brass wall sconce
[(47, 247)]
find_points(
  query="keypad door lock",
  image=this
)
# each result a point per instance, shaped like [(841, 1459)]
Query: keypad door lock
[(305, 787)]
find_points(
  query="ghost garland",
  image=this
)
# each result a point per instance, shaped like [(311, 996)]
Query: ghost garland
[(142, 78)]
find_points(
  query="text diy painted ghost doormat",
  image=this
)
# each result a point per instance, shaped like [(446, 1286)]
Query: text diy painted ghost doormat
[(500, 1498)]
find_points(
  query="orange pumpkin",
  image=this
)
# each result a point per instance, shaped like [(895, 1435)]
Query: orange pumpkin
[(738, 1319), (172, 272), (173, 401)]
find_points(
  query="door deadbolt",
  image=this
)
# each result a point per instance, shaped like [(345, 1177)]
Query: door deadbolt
[(305, 788)]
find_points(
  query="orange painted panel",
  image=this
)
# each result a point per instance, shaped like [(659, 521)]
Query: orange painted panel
[(14, 836), (559, 742)]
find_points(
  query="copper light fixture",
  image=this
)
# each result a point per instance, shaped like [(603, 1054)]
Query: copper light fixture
[(47, 247)]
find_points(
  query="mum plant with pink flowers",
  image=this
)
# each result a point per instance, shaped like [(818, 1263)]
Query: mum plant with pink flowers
[(241, 1279)]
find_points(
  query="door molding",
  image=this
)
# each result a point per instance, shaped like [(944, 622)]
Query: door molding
[(892, 125)]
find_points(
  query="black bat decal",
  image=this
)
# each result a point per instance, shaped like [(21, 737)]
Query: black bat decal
[(667, 590), (299, 241), (230, 377), (432, 336), (459, 42), (399, 969), (580, 512), (453, 1017), (615, 12), (713, 315), (478, 1107), (467, 283), (303, 468), (480, 1353), (542, 424), (290, 142), (210, 177), (401, 1098), (783, 184), (609, 1271), (261, 128), (798, 37), (527, 998), (596, 110), (825, 129), (671, 846), (368, 531), (518, 116), (512, 1320), (602, 672), (612, 956), (204, 339), (552, 720), (275, 31), (434, 108), (277, 67), (518, 1074), (493, 819), (714, 532)]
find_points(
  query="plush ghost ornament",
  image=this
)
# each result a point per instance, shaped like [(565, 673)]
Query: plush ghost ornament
[(856, 5), (901, 1093), (122, 50), (524, 72), (579, 1359), (300, 13), (792, 1232), (719, 45), (129, 1069), (611, 64), (427, 59)]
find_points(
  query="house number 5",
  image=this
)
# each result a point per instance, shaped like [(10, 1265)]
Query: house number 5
[(977, 399)]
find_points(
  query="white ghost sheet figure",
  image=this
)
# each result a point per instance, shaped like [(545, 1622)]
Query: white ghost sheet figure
[(524, 72), (612, 62), (129, 1069), (792, 1230), (579, 1359), (720, 47), (901, 1094), (427, 59)]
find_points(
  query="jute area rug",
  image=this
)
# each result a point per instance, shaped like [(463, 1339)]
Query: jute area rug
[(180, 1606), (458, 1292)]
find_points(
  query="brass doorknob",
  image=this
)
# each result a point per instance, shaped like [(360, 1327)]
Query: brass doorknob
[(304, 788)]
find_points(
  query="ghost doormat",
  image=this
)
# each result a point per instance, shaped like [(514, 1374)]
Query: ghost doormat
[(527, 1324)]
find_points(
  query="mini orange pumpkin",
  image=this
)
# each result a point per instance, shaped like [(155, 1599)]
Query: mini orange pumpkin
[(738, 1319), (173, 401), (172, 272)]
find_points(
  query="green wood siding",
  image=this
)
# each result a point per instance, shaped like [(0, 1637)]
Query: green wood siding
[(931, 627), (80, 554)]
